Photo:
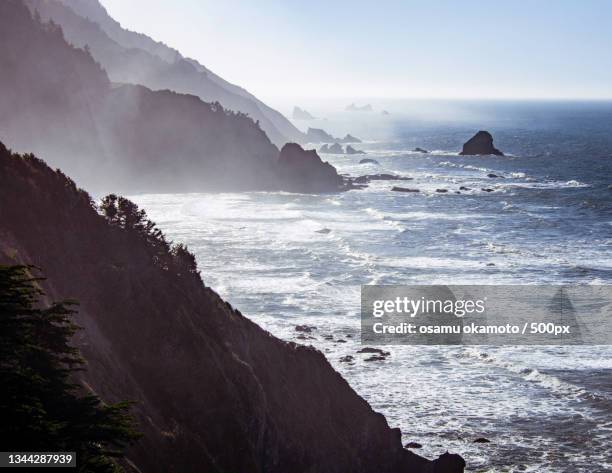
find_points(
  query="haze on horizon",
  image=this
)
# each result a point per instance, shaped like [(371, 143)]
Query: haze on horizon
[(279, 49)]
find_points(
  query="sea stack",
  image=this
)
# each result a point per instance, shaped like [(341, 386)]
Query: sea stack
[(303, 171), (480, 144)]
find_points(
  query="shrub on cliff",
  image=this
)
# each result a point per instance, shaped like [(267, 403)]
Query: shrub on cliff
[(40, 406)]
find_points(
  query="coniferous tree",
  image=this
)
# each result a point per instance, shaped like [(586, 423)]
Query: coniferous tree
[(40, 404)]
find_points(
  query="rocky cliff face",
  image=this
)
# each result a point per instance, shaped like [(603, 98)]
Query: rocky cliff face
[(213, 391), (480, 144), (130, 57)]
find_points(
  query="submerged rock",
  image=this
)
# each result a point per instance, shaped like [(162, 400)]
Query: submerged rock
[(368, 161), (486, 189), (482, 440), (494, 176), (374, 350), (347, 359), (305, 328), (376, 358), (413, 445), (324, 231), (480, 144), (403, 189), (420, 150), (463, 188), (380, 177), (442, 191)]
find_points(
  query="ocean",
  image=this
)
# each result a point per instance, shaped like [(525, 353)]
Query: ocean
[(289, 259)]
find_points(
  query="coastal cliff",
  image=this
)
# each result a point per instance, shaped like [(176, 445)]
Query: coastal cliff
[(213, 391), (134, 58), (57, 101)]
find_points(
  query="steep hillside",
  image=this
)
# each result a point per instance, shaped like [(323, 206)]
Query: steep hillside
[(56, 99), (214, 391), (134, 58)]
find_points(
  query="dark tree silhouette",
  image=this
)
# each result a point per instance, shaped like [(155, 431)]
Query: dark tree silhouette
[(40, 406)]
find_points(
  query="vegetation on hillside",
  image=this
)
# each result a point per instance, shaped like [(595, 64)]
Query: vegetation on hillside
[(41, 407)]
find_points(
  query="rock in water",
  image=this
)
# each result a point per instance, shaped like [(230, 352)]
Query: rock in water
[(303, 171), (350, 139), (368, 161), (318, 135), (351, 150), (413, 445), (420, 150), (403, 189), (480, 144), (336, 148)]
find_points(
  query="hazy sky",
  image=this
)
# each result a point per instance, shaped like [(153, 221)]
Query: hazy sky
[(387, 48)]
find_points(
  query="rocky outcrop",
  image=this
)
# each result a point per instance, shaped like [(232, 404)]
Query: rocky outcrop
[(349, 139), (336, 148), (301, 114), (213, 391), (318, 135), (304, 171), (480, 144), (351, 150)]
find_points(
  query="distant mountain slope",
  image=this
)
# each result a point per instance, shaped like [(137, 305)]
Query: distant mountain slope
[(57, 101), (135, 58), (214, 392)]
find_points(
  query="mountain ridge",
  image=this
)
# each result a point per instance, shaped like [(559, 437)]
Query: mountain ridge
[(56, 100), (136, 58)]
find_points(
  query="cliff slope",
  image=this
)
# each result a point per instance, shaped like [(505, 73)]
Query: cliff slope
[(214, 391), (130, 57)]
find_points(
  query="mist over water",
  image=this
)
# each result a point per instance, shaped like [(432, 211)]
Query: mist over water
[(547, 220)]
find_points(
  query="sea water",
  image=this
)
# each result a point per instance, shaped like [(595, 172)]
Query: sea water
[(288, 259)]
